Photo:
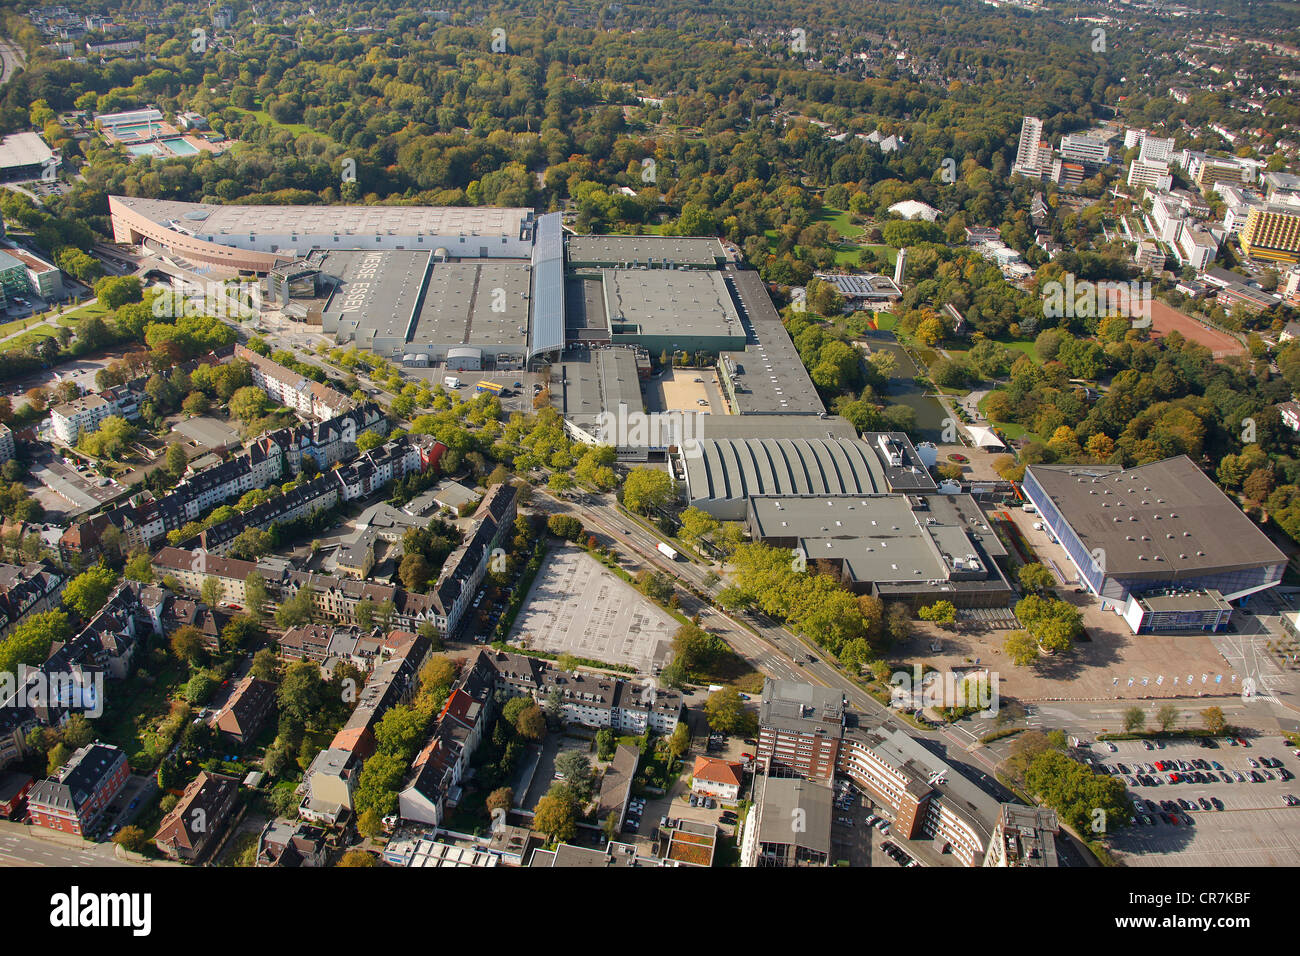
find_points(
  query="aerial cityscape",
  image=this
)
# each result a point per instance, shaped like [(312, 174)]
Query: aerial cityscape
[(589, 434)]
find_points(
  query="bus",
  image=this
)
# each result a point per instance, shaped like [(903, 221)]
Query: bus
[(486, 386)]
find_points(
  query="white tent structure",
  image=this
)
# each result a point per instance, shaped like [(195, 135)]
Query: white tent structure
[(983, 437)]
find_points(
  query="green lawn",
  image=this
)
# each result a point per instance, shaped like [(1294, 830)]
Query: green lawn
[(84, 312), (841, 221), (265, 119)]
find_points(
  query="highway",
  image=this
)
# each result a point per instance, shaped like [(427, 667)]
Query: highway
[(12, 59)]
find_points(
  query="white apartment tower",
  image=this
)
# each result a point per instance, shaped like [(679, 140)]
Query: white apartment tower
[(1031, 155)]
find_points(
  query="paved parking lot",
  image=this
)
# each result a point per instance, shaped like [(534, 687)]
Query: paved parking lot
[(1254, 828), (577, 606), (127, 805)]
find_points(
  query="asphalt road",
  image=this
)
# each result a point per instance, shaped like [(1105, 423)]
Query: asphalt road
[(19, 849)]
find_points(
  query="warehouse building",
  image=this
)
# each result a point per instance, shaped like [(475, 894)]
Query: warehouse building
[(648, 252), (910, 548), (1160, 544), (24, 156), (262, 238), (721, 474)]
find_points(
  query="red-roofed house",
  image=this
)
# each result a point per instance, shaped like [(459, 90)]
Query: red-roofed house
[(716, 778)]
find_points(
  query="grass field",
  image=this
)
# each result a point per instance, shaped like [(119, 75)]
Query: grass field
[(265, 119)]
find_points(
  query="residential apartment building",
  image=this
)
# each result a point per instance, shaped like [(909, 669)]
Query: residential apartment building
[(1208, 173), (1032, 153), (1272, 233), (1148, 257), (464, 569), (28, 589), (73, 800), (1195, 248), (1083, 148), (1153, 173), (290, 388), (71, 420), (246, 711), (199, 817), (1155, 149)]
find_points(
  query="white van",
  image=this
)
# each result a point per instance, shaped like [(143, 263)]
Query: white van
[(451, 381)]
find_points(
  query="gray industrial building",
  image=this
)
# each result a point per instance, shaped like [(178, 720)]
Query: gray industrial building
[(722, 474), (766, 377), (1160, 544), (649, 252), (914, 548)]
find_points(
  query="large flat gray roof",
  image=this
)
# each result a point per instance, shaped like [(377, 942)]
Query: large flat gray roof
[(771, 375), (462, 299), (645, 250), (375, 292), (782, 796), (216, 220), (669, 302), (1165, 520), (892, 538), (23, 149), (590, 381)]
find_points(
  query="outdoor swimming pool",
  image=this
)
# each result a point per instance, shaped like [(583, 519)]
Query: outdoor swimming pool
[(180, 147), (145, 149)]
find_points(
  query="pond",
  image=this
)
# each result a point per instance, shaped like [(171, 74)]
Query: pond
[(903, 389)]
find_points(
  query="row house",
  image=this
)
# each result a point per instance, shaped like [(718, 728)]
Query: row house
[(360, 479), (181, 612), (319, 494), (189, 569), (26, 590), (199, 817), (439, 768), (328, 786), (593, 700), (465, 567), (292, 388), (69, 679), (146, 521), (392, 683), (309, 642)]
